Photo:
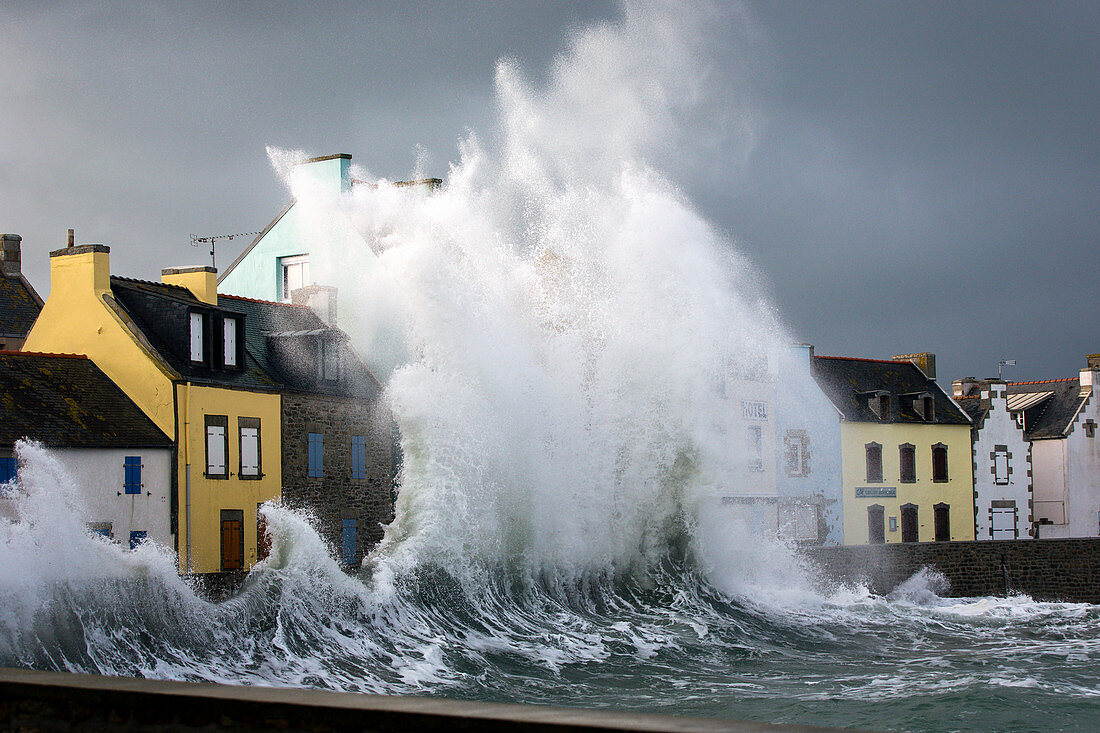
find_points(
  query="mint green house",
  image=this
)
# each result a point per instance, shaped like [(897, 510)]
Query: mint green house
[(296, 256)]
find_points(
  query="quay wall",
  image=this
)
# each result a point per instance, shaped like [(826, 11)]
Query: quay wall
[(1049, 570), (59, 701)]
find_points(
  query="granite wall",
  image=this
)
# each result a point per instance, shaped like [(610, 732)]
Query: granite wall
[(1055, 569)]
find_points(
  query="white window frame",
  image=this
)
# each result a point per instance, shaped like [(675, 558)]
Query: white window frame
[(197, 346), (230, 332), (287, 266)]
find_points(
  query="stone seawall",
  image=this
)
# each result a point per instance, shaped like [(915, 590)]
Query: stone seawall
[(1055, 570), (58, 701)]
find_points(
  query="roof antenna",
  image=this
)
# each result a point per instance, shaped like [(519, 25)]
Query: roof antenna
[(196, 240), (1001, 366)]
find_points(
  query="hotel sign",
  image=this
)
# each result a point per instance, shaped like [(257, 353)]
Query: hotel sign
[(753, 410), (876, 492)]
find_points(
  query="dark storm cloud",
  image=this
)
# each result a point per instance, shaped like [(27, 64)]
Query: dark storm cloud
[(921, 176)]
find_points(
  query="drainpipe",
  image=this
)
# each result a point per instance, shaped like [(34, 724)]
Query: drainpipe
[(187, 466)]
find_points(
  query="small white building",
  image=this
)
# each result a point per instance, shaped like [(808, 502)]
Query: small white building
[(1003, 507), (1058, 419), (118, 458)]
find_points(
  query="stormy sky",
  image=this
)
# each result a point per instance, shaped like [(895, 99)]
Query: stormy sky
[(907, 176)]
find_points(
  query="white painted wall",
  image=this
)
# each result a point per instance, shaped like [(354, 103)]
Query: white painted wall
[(1083, 472), (99, 474), (1000, 428)]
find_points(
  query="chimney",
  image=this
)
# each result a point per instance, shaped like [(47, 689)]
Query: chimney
[(71, 238), (333, 172), (963, 387), (9, 255), (76, 268), (321, 299), (925, 361), (1092, 361), (201, 280)]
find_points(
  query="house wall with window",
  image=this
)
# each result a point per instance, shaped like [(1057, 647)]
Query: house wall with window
[(808, 455), (230, 457), (869, 483), (151, 357), (1002, 466), (338, 465), (127, 491)]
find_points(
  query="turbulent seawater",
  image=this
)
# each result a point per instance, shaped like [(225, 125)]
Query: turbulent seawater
[(573, 343), (663, 638)]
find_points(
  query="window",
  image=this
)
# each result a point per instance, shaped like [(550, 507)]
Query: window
[(229, 339), (9, 469), (316, 455), (941, 515), (907, 459), (358, 456), (197, 349), (929, 411), (874, 463), (295, 274), (217, 446), (330, 360), (248, 430), (103, 529), (137, 537), (879, 402), (756, 448), (1000, 464), (796, 450), (1090, 429), (348, 544), (939, 462), (876, 524), (131, 470), (909, 526), (263, 541)]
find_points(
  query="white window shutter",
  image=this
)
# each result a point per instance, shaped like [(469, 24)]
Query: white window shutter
[(250, 452), (229, 329), (196, 337), (215, 450)]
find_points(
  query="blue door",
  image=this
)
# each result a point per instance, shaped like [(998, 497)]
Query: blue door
[(348, 543)]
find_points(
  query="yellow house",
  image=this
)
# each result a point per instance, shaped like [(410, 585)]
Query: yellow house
[(182, 359), (906, 464)]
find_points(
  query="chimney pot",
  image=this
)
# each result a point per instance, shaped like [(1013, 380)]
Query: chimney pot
[(72, 237)]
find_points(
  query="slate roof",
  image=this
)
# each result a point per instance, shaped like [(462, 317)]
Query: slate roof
[(266, 320), (19, 306), (1052, 417), (973, 407), (160, 313), (65, 401), (846, 382)]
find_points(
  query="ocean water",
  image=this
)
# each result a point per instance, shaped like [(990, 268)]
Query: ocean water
[(665, 638), (574, 343)]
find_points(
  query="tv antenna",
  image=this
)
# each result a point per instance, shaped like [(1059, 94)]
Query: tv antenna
[(196, 240), (1001, 366)]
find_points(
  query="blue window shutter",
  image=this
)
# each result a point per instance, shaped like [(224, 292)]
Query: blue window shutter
[(137, 537), (316, 456), (358, 456), (348, 543), (9, 470), (132, 479)]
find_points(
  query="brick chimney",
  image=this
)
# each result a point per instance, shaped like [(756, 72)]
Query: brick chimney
[(9, 256), (201, 280), (963, 387), (925, 361)]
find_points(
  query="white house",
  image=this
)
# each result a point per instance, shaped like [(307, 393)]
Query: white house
[(118, 458)]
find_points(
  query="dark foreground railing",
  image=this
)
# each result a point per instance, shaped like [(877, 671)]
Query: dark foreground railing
[(56, 701)]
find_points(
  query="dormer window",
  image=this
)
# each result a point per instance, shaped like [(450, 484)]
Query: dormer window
[(229, 341), (879, 403), (924, 406), (197, 343)]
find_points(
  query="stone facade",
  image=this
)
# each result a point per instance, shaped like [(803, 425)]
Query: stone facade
[(336, 496), (1058, 570)]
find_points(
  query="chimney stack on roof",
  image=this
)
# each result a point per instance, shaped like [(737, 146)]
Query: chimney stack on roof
[(72, 238), (201, 280), (10, 256), (963, 387), (925, 361)]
